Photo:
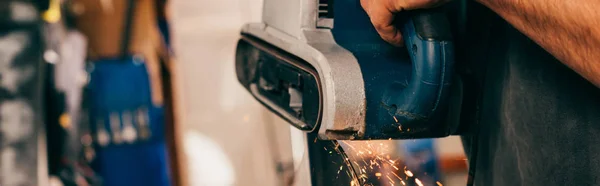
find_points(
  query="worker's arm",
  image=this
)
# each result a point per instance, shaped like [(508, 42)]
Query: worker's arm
[(569, 30)]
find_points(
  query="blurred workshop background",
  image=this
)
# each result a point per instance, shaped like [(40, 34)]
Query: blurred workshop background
[(181, 115)]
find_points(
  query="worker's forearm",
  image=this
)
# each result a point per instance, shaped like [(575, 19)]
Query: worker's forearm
[(569, 30)]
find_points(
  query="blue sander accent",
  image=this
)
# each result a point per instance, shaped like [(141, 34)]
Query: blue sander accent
[(406, 90)]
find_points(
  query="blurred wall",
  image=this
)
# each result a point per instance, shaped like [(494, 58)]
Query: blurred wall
[(224, 128)]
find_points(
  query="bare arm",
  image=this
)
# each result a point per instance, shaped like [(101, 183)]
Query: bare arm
[(569, 30)]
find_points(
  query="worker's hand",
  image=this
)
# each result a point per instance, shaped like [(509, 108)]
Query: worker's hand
[(382, 13)]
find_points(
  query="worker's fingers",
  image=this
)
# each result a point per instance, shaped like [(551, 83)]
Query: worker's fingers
[(382, 14), (399, 5), (382, 18)]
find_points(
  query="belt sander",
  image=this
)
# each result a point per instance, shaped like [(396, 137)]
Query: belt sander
[(323, 68)]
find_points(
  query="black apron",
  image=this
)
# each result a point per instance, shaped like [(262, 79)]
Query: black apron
[(535, 121)]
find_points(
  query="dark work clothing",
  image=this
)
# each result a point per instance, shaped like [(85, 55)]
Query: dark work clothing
[(537, 122)]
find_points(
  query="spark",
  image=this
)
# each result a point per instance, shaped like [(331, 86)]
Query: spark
[(391, 180), (408, 173), (400, 127), (341, 167), (395, 119), (438, 183), (375, 162), (368, 157), (418, 182), (397, 176), (364, 161), (372, 162), (356, 163), (391, 162)]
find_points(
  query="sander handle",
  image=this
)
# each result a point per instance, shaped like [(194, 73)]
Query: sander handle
[(428, 39)]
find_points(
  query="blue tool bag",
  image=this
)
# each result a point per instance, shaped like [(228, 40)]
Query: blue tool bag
[(128, 129)]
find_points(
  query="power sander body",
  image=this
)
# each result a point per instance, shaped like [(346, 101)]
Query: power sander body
[(323, 67)]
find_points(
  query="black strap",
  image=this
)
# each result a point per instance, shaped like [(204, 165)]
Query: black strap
[(127, 27)]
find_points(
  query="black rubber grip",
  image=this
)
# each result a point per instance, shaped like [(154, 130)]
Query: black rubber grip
[(431, 25)]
